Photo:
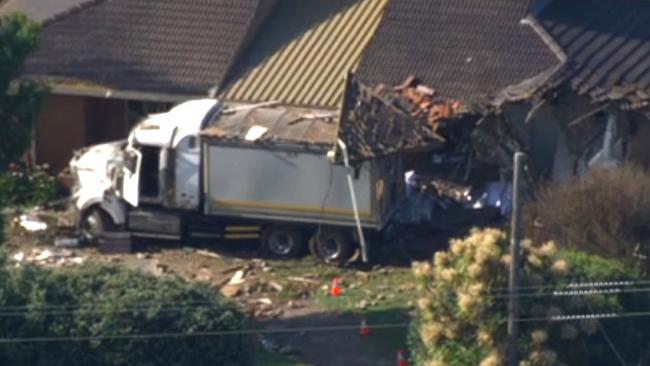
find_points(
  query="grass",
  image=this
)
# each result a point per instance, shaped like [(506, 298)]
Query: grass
[(387, 293), (376, 290), (379, 289)]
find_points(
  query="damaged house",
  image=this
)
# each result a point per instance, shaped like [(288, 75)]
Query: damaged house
[(566, 85), (569, 87)]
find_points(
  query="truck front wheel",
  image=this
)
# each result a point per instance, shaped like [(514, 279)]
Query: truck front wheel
[(282, 241), (332, 246), (94, 222)]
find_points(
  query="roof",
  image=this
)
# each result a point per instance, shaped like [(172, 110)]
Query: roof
[(373, 125), (275, 126), (464, 49), (304, 52), (38, 10), (608, 44), (163, 46)]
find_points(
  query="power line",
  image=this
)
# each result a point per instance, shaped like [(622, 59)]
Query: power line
[(96, 310), (577, 285), (574, 317), (609, 341), (196, 334), (613, 291), (84, 306)]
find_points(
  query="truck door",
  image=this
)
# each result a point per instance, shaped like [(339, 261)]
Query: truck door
[(131, 177), (187, 173)]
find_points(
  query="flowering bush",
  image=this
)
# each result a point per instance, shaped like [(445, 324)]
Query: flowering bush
[(26, 186), (461, 317)]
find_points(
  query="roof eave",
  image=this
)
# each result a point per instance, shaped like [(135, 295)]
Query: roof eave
[(109, 93)]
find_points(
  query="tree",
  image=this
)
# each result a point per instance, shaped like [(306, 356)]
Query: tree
[(19, 99)]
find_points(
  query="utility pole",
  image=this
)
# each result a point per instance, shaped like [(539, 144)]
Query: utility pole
[(515, 250)]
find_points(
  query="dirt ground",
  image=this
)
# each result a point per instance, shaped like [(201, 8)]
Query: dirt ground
[(279, 295)]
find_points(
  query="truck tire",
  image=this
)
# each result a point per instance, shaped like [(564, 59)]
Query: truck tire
[(282, 241), (332, 246), (94, 222)]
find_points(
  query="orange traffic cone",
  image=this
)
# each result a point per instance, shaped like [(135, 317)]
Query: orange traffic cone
[(364, 330), (335, 291), (401, 360)]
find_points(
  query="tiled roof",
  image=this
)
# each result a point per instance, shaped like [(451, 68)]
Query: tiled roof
[(607, 43), (38, 10), (162, 46), (304, 52), (464, 49)]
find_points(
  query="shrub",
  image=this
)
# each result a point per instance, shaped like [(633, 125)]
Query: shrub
[(461, 316), (27, 186), (100, 301), (606, 213)]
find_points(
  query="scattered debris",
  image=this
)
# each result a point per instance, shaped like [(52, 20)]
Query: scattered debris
[(18, 257), (230, 291), (208, 254), (276, 286), (43, 256), (66, 242), (204, 275), (293, 304), (49, 258), (362, 305), (237, 278), (304, 280), (31, 224), (264, 300), (232, 268)]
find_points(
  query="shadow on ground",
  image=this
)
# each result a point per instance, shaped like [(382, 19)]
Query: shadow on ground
[(416, 246), (317, 342)]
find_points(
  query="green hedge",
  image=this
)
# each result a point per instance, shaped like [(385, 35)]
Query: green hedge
[(111, 301)]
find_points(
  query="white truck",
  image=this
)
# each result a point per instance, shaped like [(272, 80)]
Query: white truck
[(205, 170)]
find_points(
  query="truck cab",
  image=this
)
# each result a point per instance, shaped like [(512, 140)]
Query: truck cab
[(158, 166)]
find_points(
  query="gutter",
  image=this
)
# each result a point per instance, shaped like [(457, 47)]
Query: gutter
[(100, 92)]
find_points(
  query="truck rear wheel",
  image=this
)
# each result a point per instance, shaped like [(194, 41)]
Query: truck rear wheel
[(282, 241), (332, 246)]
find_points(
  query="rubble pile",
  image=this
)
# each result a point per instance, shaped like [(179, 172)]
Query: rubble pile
[(451, 152), (421, 102)]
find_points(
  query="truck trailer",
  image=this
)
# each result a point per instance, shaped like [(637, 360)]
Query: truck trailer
[(209, 171)]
